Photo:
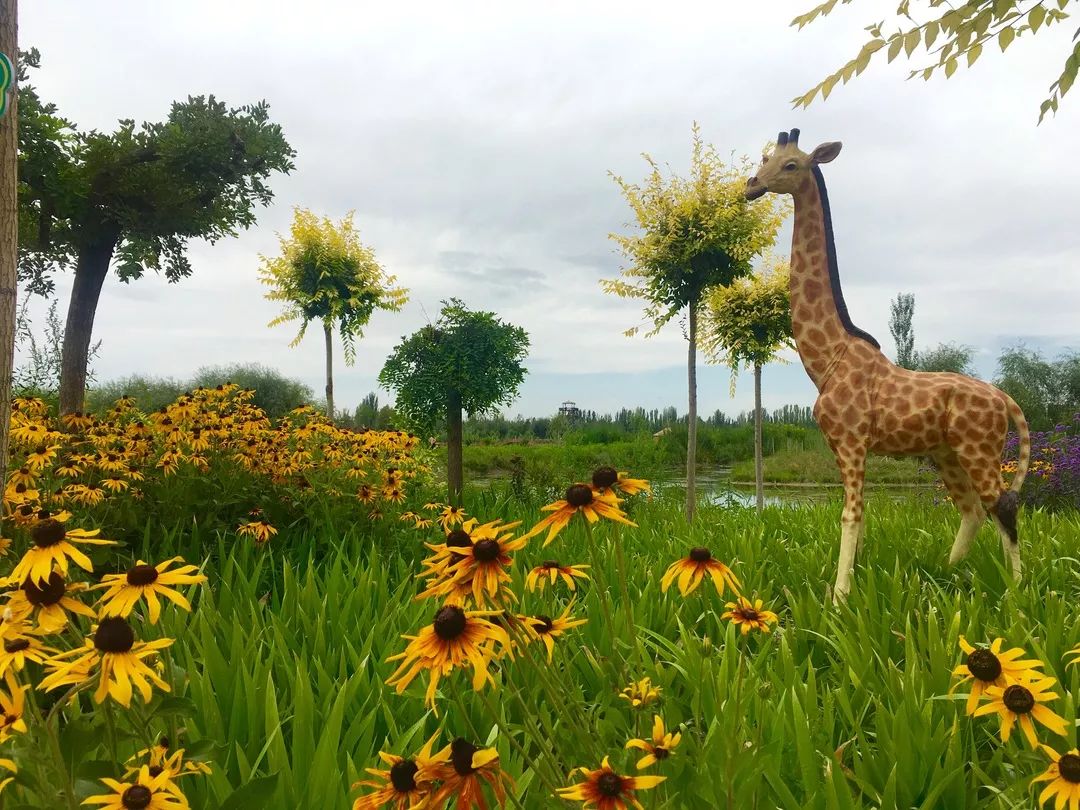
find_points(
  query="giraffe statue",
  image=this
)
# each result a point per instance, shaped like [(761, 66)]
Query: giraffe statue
[(866, 403)]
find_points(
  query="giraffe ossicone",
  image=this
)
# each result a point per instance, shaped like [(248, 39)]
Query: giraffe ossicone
[(866, 404)]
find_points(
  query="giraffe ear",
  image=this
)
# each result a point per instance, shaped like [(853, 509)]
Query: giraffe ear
[(825, 152)]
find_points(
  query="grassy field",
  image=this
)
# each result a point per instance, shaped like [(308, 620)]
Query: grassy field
[(818, 466), (840, 707)]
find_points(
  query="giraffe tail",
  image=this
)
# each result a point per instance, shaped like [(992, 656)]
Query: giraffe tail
[(1024, 433)]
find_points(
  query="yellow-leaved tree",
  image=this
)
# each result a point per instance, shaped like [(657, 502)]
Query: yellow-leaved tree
[(326, 273), (745, 325), (691, 234)]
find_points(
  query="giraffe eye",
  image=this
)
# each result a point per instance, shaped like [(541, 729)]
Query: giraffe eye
[(790, 167)]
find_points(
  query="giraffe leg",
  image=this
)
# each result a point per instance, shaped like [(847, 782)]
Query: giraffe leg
[(852, 468), (966, 500), (985, 473)]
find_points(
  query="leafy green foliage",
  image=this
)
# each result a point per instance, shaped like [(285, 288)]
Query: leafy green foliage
[(947, 38), (901, 313), (947, 357), (693, 233), (746, 323), (1048, 391), (325, 273), (469, 353), (39, 373), (144, 189)]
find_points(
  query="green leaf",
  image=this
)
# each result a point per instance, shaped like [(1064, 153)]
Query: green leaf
[(931, 33), (895, 44), (1036, 17), (911, 41), (950, 67), (1005, 37), (974, 54), (256, 793), (173, 704)]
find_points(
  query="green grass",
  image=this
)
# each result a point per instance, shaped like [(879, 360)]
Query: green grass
[(818, 466), (284, 659)]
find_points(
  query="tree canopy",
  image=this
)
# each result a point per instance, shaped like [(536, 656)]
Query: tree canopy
[(948, 34), (901, 315), (1048, 391)]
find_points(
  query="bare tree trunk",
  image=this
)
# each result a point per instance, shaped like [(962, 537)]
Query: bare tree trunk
[(454, 471), (759, 476), (691, 431), (9, 229), (90, 272), (328, 331)]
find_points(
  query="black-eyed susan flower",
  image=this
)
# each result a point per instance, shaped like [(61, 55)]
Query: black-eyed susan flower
[(394, 494), (550, 571), (159, 758), (692, 568), (454, 638), (641, 693), (85, 494), (53, 546), (422, 522), (67, 468), (49, 602), (747, 615), (146, 792), (12, 704), (406, 783), (464, 776), (451, 516), (578, 498), (608, 479), (1021, 704), (114, 484), (20, 644), (548, 629), (434, 506), (484, 561), (260, 530), (24, 476), (77, 420), (984, 667), (41, 456), (113, 653), (659, 748), (366, 493), (604, 789), (9, 766), (143, 581), (1063, 775)]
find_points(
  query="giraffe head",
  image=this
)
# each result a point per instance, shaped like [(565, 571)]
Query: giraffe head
[(784, 170)]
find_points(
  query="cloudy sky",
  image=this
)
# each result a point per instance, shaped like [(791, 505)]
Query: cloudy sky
[(474, 141)]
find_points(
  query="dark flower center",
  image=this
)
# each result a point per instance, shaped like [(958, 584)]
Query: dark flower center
[(550, 564), (486, 550), (24, 471), (449, 623), (579, 495), (1069, 768), (459, 538), (700, 554), (403, 775), (661, 753), (136, 797), (114, 635), (20, 488), (10, 718), (605, 477), (983, 664), (26, 510), (142, 575), (461, 754), (749, 614), (163, 742), (48, 533), (609, 784), (44, 595), (545, 626), (1018, 699), (155, 770), (17, 645)]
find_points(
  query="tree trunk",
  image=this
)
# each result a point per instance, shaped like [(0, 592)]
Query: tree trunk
[(90, 272), (9, 230), (328, 331), (759, 476), (454, 471), (691, 426)]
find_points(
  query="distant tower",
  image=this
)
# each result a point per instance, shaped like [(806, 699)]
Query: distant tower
[(570, 410)]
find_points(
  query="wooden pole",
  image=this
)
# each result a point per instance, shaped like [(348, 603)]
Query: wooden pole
[(9, 227)]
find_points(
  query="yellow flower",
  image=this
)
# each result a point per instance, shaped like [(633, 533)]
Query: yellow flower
[(692, 569), (85, 494), (464, 776), (147, 581), (1063, 774), (657, 749), (749, 615), (641, 693), (49, 602), (145, 793), (259, 529), (12, 703), (1021, 704), (53, 546), (451, 516), (11, 767), (552, 570), (20, 646), (406, 783), (548, 629), (989, 666), (578, 498), (607, 790), (606, 479)]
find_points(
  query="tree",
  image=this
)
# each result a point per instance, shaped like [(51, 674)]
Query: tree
[(466, 361), (948, 33), (1048, 391), (693, 233), (947, 357), (326, 273), (39, 373), (902, 311), (745, 325), (133, 198), (9, 225)]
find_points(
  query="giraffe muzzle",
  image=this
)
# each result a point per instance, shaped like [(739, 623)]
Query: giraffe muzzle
[(754, 189)]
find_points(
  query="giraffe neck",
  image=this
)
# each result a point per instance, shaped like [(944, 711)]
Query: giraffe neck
[(819, 317)]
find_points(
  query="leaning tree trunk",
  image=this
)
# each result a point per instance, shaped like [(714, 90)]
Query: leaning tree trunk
[(454, 470), (9, 230), (329, 333), (691, 427), (90, 272), (759, 476)]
